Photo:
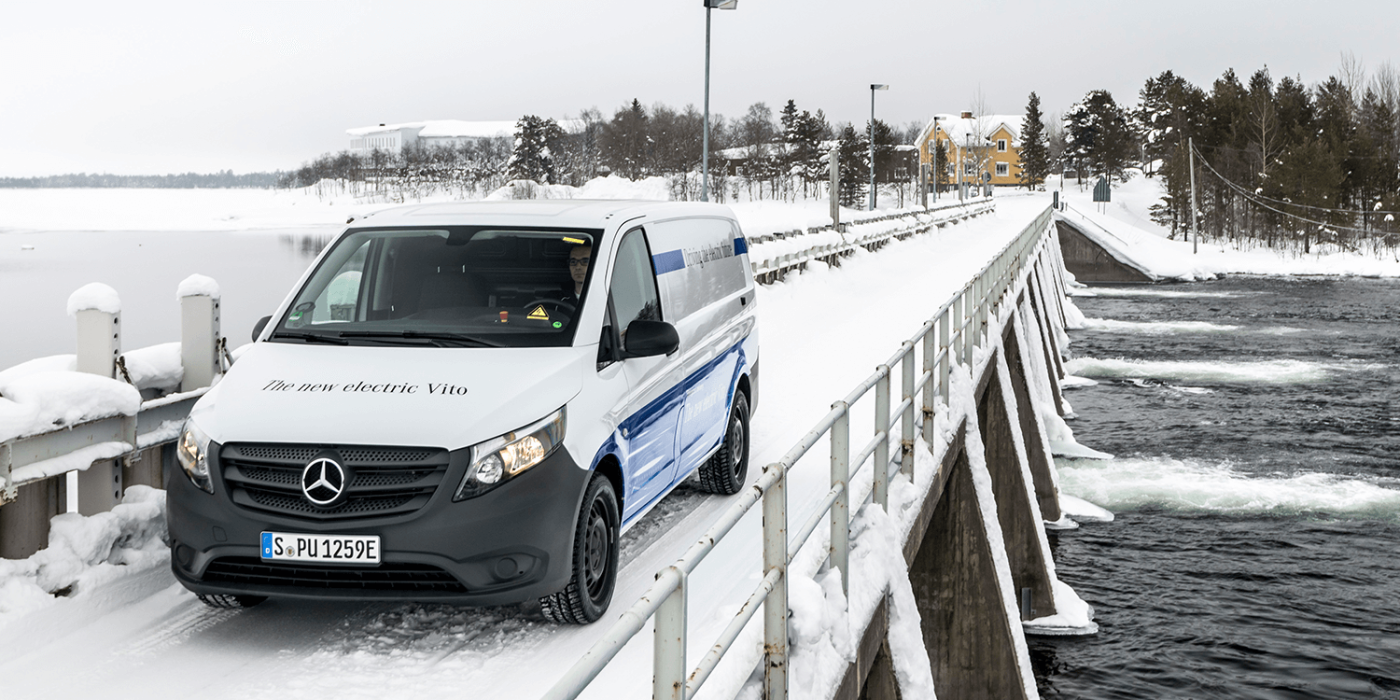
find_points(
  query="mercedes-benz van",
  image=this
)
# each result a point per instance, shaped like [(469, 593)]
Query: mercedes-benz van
[(469, 403)]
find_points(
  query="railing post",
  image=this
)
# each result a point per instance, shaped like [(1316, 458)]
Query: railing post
[(841, 509), (97, 309), (947, 355), (930, 365), (906, 436), (969, 324), (775, 606), (199, 331), (880, 491), (668, 652)]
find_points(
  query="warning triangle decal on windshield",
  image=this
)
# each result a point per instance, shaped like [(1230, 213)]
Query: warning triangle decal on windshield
[(539, 314)]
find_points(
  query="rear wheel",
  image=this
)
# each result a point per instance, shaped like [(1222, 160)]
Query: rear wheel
[(590, 587), (726, 470), (225, 601)]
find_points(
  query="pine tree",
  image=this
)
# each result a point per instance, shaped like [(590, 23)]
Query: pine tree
[(536, 141), (855, 170), (625, 141), (1035, 147)]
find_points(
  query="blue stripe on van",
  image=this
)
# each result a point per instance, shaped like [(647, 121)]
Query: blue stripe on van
[(668, 262), (741, 246)]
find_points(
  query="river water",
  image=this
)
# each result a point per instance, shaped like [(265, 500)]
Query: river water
[(1256, 550)]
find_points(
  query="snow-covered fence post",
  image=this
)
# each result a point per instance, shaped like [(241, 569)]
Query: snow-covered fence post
[(906, 421), (199, 331), (97, 308)]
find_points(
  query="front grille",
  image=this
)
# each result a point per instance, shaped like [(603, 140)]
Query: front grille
[(389, 576), (380, 480)]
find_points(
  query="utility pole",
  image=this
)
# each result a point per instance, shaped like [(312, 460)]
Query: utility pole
[(1195, 242), (834, 160), (873, 88)]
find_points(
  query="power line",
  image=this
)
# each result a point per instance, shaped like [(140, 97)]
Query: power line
[(1293, 204), (1250, 197)]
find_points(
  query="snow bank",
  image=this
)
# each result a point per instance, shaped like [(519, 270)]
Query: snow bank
[(94, 296), (87, 550), (197, 286), (1126, 229)]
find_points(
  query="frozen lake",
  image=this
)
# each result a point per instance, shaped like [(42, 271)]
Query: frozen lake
[(255, 270)]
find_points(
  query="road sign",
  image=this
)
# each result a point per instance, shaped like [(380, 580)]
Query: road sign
[(1102, 191)]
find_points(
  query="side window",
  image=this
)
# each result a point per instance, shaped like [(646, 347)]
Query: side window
[(633, 288)]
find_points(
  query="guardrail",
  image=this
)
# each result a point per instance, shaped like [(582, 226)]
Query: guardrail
[(955, 331), (770, 269), (121, 431), (812, 230)]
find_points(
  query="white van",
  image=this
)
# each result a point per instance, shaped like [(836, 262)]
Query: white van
[(470, 403)]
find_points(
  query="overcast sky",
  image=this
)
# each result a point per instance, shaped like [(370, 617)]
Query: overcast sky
[(139, 87)]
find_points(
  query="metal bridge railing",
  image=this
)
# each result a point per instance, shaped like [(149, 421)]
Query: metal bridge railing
[(958, 328), (768, 269)]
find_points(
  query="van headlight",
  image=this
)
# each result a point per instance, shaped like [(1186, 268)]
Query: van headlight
[(503, 458), (192, 450)]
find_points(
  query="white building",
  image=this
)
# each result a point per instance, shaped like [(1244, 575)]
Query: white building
[(444, 132)]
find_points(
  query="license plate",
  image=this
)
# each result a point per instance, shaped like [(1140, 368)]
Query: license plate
[(354, 549)]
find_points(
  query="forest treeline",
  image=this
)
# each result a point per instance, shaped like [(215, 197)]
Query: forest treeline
[(226, 179), (761, 155), (1279, 163)]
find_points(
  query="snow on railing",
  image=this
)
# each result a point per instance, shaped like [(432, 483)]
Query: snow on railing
[(772, 255), (62, 413), (960, 326)]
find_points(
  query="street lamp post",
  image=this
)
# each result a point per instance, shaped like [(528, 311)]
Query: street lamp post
[(705, 155), (933, 157), (873, 88)]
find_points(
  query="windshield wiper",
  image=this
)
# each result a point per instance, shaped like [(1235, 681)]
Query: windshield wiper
[(311, 337), (450, 337)]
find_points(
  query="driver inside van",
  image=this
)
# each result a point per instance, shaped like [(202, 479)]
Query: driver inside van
[(579, 258)]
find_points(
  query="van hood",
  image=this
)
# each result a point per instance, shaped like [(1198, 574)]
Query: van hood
[(433, 397)]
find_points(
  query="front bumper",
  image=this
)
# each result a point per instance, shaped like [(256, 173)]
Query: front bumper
[(509, 545)]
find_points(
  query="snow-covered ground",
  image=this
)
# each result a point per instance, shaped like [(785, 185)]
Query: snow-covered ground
[(64, 209), (1126, 228), (135, 633)]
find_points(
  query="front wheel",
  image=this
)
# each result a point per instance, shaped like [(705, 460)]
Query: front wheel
[(590, 587), (225, 601), (726, 471)]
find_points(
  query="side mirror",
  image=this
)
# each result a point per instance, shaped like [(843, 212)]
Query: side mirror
[(649, 338), (259, 326)]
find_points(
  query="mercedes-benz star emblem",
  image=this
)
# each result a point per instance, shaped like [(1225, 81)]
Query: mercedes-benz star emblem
[(323, 480)]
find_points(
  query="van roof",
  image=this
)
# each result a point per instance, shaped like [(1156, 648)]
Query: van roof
[(568, 213)]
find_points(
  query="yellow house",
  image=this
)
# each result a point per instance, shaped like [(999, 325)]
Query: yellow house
[(978, 149)]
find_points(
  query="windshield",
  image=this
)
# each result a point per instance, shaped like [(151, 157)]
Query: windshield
[(453, 286)]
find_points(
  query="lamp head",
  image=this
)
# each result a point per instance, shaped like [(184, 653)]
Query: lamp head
[(879, 87), (722, 4)]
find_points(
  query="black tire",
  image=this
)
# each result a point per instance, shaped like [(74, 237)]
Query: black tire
[(590, 587), (727, 469), (225, 601)]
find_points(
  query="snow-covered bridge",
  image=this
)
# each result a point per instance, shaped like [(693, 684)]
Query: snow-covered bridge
[(974, 401)]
